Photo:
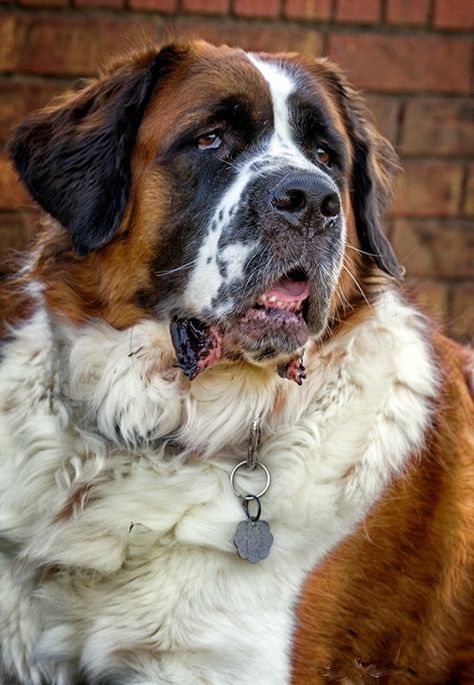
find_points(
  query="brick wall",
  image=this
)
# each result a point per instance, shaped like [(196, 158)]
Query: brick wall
[(413, 58)]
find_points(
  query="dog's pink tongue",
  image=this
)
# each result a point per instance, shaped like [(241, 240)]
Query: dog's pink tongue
[(287, 290)]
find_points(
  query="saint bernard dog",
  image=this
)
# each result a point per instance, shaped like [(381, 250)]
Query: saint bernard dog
[(232, 452)]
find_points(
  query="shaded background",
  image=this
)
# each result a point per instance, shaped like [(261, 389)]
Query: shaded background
[(412, 58)]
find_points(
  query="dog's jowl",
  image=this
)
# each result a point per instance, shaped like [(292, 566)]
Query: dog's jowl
[(231, 451)]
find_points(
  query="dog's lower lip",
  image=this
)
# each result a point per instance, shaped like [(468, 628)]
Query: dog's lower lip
[(293, 314), (280, 323), (278, 316), (279, 330)]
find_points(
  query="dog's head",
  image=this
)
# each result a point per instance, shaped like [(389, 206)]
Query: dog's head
[(243, 190)]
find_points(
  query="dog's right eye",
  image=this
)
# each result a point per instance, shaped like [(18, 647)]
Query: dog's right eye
[(209, 141)]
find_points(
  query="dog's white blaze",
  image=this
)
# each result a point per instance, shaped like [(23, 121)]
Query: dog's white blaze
[(280, 151), (281, 86)]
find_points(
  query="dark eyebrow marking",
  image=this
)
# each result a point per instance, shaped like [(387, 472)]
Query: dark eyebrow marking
[(311, 123), (306, 112), (234, 110)]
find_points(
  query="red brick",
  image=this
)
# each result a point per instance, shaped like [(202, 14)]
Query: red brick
[(407, 12), (43, 3), (206, 6), (386, 112), (250, 36), (468, 204), (308, 9), (454, 14), (434, 248), (66, 45), (428, 188), (16, 232), (461, 316), (257, 8), (404, 63), (106, 4), (19, 98), (358, 11), (438, 126), (11, 34), (153, 5), (431, 296), (12, 193)]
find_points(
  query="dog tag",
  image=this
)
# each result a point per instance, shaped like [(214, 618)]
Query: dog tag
[(253, 539)]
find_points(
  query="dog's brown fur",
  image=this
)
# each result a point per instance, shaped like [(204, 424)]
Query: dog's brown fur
[(395, 602)]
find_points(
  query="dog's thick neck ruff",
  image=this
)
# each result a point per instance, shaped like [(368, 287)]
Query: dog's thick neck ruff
[(195, 189), (136, 518)]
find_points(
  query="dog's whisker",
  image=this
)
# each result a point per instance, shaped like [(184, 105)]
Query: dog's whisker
[(342, 299), (357, 284), (226, 161), (182, 267), (357, 249)]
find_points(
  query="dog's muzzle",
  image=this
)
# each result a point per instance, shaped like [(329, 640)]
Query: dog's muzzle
[(294, 218)]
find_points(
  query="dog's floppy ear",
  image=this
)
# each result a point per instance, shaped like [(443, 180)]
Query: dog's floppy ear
[(374, 164), (74, 156)]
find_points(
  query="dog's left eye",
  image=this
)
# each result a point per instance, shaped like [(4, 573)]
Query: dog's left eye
[(323, 156), (209, 141)]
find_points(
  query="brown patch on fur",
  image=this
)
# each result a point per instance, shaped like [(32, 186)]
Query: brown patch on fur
[(395, 601), (279, 402), (467, 355), (190, 90), (103, 283), (49, 573), (75, 502), (15, 302)]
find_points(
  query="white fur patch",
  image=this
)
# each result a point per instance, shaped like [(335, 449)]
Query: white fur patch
[(281, 144), (151, 586)]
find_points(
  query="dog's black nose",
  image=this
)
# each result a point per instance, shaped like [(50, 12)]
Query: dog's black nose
[(298, 195)]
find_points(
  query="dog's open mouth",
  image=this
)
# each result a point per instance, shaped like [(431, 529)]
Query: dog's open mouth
[(283, 305), (275, 325)]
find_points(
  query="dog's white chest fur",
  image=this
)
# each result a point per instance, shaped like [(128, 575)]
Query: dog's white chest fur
[(127, 557)]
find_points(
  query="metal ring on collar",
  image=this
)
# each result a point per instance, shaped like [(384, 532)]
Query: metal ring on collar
[(249, 496), (246, 504)]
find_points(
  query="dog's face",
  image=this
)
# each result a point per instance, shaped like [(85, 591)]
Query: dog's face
[(199, 182), (255, 177)]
